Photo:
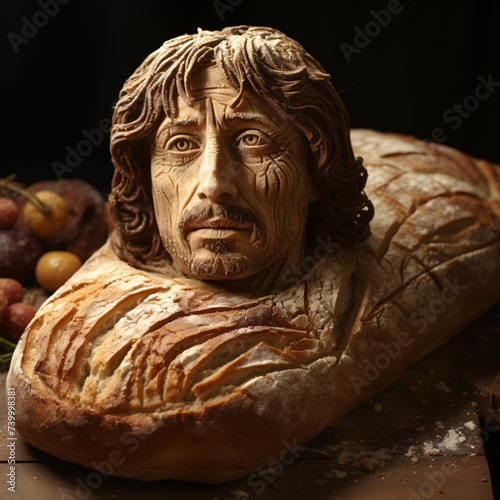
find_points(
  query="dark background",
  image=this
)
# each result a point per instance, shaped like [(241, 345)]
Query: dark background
[(63, 78)]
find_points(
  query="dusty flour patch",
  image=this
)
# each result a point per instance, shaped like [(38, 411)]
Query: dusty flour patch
[(450, 441), (470, 425), (351, 457)]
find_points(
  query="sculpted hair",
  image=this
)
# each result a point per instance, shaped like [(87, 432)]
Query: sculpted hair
[(281, 72)]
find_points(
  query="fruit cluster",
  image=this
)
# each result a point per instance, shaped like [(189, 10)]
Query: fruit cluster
[(14, 317), (46, 232)]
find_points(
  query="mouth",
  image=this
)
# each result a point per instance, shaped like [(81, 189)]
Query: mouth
[(217, 224)]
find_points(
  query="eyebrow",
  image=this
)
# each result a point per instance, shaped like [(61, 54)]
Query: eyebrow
[(182, 123), (246, 117), (171, 123), (231, 118)]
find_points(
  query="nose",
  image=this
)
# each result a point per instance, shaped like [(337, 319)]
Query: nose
[(216, 175)]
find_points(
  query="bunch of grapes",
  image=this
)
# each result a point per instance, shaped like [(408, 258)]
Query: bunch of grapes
[(14, 317), (25, 262)]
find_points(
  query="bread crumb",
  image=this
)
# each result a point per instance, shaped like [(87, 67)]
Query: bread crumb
[(484, 480), (339, 473), (377, 408), (470, 425), (354, 455), (344, 457), (474, 404), (368, 463), (442, 385), (430, 450), (409, 453)]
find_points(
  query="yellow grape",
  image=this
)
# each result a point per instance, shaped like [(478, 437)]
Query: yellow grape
[(54, 268), (49, 224)]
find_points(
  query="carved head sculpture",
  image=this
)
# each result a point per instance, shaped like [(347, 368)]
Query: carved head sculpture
[(232, 155)]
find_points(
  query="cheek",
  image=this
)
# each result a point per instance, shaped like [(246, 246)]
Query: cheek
[(284, 184), (166, 200), (280, 201)]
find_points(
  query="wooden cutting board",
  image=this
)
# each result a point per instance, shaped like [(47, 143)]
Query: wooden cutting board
[(424, 437)]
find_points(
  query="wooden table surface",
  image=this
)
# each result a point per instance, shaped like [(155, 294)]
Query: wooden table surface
[(424, 437)]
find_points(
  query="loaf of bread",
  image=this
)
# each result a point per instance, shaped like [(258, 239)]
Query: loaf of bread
[(177, 378)]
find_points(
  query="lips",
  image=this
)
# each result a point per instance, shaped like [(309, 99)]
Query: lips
[(216, 224), (219, 221)]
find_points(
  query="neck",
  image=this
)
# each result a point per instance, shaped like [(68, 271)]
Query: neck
[(271, 280), (262, 283)]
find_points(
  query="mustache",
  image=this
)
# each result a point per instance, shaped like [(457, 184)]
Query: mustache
[(239, 216)]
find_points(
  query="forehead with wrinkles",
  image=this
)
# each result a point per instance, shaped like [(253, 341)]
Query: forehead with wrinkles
[(214, 96)]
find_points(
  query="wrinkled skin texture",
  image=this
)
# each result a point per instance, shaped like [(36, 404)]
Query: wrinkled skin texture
[(231, 185)]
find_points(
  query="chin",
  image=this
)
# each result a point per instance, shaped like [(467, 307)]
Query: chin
[(228, 266)]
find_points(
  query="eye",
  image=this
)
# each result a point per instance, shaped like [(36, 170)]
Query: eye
[(182, 144), (252, 138)]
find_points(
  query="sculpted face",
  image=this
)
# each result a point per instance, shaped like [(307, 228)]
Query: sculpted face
[(231, 186)]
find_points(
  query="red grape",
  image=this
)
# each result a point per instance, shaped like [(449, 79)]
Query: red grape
[(9, 213), (4, 303), (12, 289), (16, 320), (19, 253)]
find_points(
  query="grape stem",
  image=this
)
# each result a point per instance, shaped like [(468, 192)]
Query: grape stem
[(6, 357), (17, 188)]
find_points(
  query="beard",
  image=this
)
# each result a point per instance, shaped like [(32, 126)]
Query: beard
[(222, 264)]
